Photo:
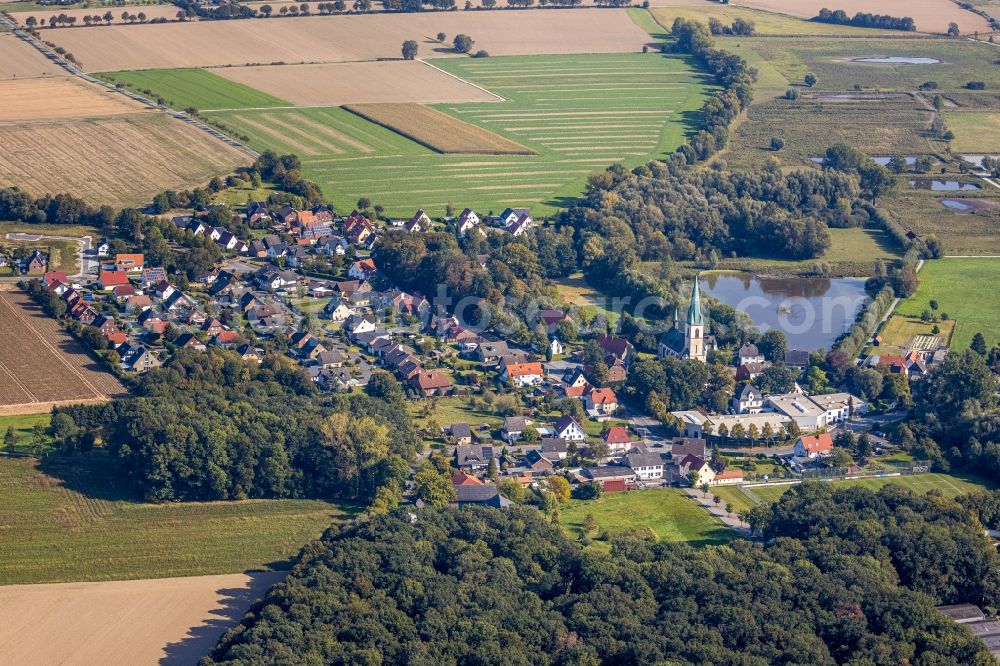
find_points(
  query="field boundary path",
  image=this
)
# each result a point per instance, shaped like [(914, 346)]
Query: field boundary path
[(717, 511), (73, 70)]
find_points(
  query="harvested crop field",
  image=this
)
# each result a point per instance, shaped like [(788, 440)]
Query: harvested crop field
[(438, 131), (20, 60), (765, 23), (40, 364), (333, 84), (350, 38), (119, 161), (167, 621), (60, 97), (167, 11), (929, 15), (579, 113)]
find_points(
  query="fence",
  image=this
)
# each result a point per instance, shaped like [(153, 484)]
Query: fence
[(868, 471)]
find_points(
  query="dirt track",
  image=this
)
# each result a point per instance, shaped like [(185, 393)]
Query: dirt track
[(350, 38), (168, 621)]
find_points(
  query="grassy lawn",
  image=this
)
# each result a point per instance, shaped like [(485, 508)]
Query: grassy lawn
[(24, 426), (960, 288), (198, 88), (72, 522), (733, 495), (899, 330), (579, 113), (238, 196), (951, 485), (668, 512), (575, 291), (975, 132), (69, 230), (453, 410)]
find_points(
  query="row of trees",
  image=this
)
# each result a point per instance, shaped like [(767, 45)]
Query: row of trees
[(483, 586), (866, 20)]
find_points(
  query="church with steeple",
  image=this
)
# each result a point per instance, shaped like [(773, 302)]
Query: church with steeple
[(693, 340)]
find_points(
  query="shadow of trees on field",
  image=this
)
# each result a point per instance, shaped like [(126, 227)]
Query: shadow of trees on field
[(232, 606), (92, 474)]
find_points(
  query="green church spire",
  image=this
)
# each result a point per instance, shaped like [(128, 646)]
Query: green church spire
[(694, 311)]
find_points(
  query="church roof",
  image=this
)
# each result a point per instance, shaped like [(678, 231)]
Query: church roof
[(695, 317)]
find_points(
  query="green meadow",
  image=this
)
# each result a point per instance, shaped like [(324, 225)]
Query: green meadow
[(965, 289), (70, 519), (581, 113), (193, 87)]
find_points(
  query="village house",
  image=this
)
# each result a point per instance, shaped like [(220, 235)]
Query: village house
[(748, 372), (130, 263), (514, 428), (555, 448), (567, 428), (482, 495), (35, 263), (728, 476), (749, 401), (749, 353), (137, 358), (362, 269), (338, 310), (460, 434), (54, 276), (647, 466), (474, 456), (523, 374), (111, 279), (467, 221), (814, 446), (555, 347), (691, 463), (430, 383), (601, 402), (618, 440)]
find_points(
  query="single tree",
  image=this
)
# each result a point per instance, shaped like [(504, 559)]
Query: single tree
[(463, 43), (777, 143), (10, 438), (953, 30), (978, 344), (409, 49), (810, 79)]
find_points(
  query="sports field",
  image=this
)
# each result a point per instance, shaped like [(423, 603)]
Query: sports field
[(965, 289), (580, 113), (668, 512), (192, 87), (68, 519)]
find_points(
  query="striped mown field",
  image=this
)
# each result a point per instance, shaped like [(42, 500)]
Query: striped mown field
[(579, 113)]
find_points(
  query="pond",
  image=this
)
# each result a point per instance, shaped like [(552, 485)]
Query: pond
[(955, 204), (900, 60), (882, 160), (944, 185), (812, 312)]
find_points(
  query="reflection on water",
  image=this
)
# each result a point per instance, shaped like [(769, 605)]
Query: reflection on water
[(812, 312), (943, 185)]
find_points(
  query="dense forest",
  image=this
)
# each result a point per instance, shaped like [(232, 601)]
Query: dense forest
[(210, 426), (482, 586)]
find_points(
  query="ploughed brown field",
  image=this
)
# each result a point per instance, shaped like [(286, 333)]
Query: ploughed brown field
[(314, 39), (60, 97), (334, 84), (19, 59), (438, 131), (929, 15), (41, 365), (167, 620)]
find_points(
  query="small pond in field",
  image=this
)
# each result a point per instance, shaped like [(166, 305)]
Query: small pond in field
[(900, 60), (955, 204), (944, 185), (812, 312), (882, 160)]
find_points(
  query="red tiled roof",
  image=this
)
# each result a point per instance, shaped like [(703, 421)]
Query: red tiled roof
[(817, 443), (617, 435)]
